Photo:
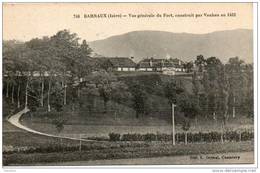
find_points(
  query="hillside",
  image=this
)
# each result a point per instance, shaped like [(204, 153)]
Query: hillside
[(158, 44)]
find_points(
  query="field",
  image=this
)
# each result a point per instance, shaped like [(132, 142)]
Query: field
[(33, 149), (94, 127)]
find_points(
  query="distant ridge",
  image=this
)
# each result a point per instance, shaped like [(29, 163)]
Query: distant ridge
[(185, 46)]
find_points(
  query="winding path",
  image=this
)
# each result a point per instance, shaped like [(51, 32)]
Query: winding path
[(15, 120)]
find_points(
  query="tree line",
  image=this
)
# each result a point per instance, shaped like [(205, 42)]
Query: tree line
[(52, 72), (68, 75)]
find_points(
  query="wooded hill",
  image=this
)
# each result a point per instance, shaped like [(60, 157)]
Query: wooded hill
[(185, 46)]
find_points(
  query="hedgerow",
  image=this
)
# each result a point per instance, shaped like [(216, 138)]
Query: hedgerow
[(191, 137)]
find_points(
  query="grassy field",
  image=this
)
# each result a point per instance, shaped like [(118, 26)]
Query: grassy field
[(23, 148), (13, 136), (48, 149), (94, 127)]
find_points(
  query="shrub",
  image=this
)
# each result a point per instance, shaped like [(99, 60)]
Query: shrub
[(165, 137), (231, 136), (150, 137), (197, 137), (181, 137), (215, 136), (114, 137), (192, 137), (132, 137), (59, 124), (246, 135)]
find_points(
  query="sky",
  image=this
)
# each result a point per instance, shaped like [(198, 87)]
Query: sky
[(24, 21)]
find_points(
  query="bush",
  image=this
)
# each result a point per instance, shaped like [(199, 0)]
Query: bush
[(114, 137), (132, 137), (197, 137), (165, 137), (215, 136), (231, 136), (130, 151), (246, 135), (181, 137), (150, 137), (59, 124), (192, 137)]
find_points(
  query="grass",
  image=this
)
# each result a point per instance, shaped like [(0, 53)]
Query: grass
[(121, 119), (156, 150), (102, 126), (50, 149), (15, 137), (27, 139)]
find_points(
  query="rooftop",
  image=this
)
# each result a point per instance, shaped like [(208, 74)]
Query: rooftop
[(118, 61)]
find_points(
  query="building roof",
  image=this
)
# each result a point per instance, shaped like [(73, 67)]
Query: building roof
[(118, 61), (151, 62)]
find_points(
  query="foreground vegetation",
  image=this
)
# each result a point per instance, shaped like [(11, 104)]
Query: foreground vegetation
[(209, 137), (32, 148), (130, 151)]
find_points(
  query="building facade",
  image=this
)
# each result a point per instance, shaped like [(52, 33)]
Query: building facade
[(166, 66)]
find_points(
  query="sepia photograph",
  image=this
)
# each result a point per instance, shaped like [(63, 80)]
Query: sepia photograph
[(112, 84)]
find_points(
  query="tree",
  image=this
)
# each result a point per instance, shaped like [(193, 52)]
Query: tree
[(59, 125), (18, 61), (107, 86), (186, 127), (171, 90), (200, 62), (73, 57), (204, 97), (106, 83), (120, 95), (213, 69), (189, 106), (236, 81), (41, 49), (65, 48), (248, 103), (12, 63), (223, 95), (196, 90), (139, 97), (195, 84), (188, 66), (83, 64), (222, 101), (60, 60), (88, 95)]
